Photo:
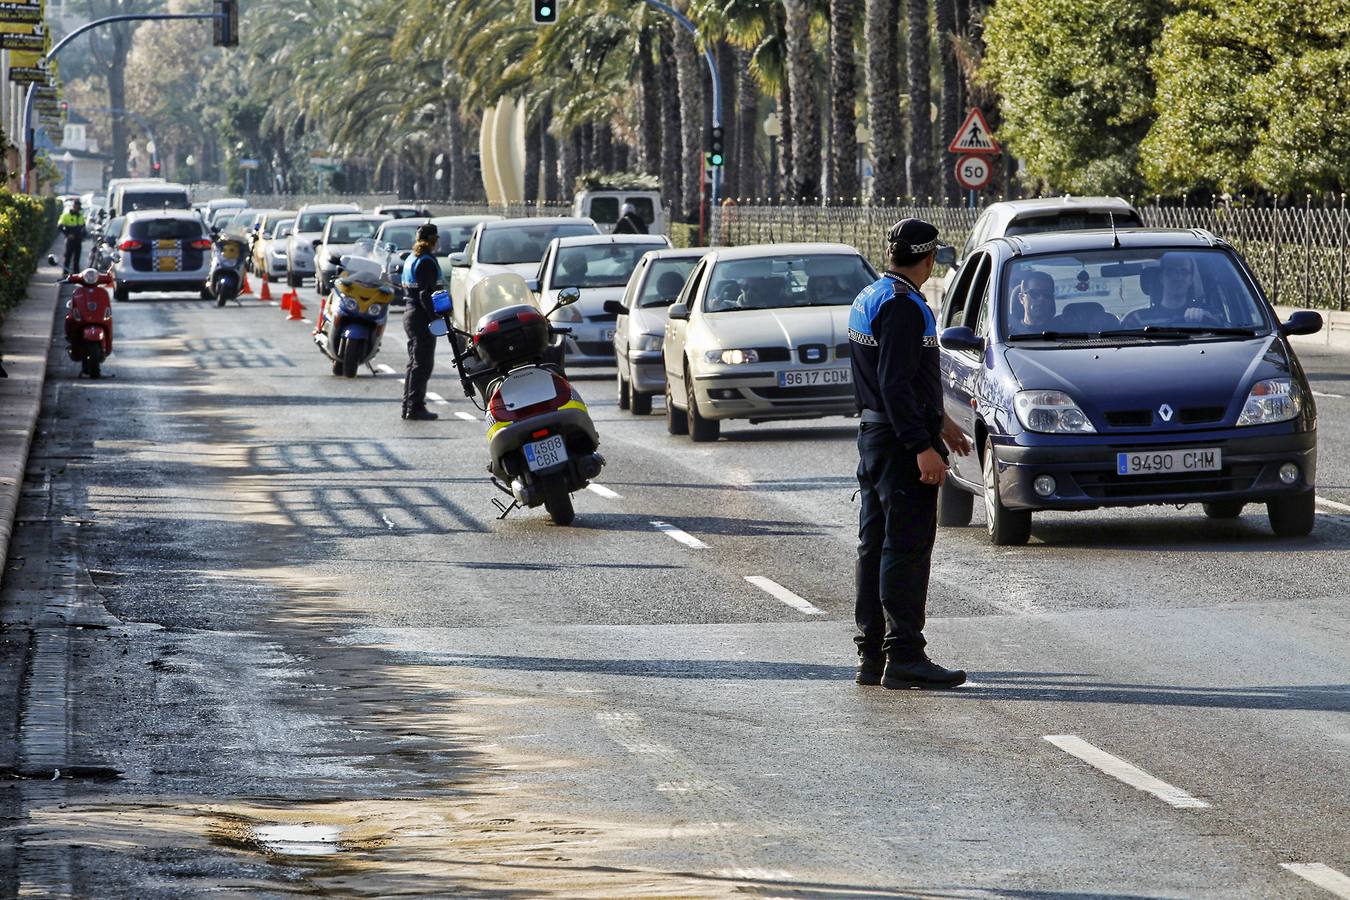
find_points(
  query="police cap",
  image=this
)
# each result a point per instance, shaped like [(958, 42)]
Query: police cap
[(912, 237)]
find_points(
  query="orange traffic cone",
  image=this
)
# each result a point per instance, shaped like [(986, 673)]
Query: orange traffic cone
[(286, 299), (266, 295), (245, 289), (297, 309)]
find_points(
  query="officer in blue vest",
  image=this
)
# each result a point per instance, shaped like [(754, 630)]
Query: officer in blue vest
[(903, 441), (421, 275)]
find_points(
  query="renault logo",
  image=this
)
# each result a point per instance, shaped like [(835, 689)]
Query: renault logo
[(1166, 412)]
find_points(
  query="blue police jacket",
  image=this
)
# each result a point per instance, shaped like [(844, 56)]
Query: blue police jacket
[(421, 274), (896, 370)]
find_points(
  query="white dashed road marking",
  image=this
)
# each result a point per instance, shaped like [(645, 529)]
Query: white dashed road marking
[(437, 398), (468, 417), (1332, 504), (1330, 396), (386, 369), (1323, 876), (1122, 771), (776, 590), (602, 491), (683, 537)]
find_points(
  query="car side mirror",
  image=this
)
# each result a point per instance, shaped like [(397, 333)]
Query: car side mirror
[(678, 311), (945, 256), (961, 338), (51, 260), (335, 259), (1305, 321), (316, 243), (390, 248), (615, 308), (459, 261), (532, 284)]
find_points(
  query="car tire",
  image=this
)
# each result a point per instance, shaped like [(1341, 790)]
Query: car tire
[(624, 390), (701, 430), (677, 421), (640, 404), (1223, 509), (955, 506), (121, 293), (1006, 527), (1293, 516)]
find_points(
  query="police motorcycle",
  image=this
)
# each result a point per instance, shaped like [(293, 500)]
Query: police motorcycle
[(225, 276), (541, 440), (352, 318)]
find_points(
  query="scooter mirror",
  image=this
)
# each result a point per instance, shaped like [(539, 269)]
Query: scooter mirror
[(567, 296), (438, 327), (51, 260)]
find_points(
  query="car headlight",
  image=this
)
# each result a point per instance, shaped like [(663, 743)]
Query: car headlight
[(731, 357), (567, 314), (279, 254), (648, 342), (1272, 400), (1051, 412)]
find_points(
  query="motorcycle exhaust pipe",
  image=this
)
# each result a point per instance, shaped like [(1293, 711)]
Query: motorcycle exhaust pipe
[(523, 493), (589, 466)]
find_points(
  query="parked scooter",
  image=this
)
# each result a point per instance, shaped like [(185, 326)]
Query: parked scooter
[(89, 332), (352, 319), (541, 440), (226, 275)]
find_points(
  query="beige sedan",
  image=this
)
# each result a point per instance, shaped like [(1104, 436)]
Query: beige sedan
[(761, 333)]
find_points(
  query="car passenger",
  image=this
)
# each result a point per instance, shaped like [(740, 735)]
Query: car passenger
[(726, 295), (574, 268), (1175, 297), (1035, 294), (669, 284)]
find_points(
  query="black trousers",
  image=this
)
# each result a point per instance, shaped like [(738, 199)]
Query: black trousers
[(896, 529), (421, 357), (72, 258)]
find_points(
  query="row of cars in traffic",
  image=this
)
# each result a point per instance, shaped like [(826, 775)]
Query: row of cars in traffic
[(1092, 362)]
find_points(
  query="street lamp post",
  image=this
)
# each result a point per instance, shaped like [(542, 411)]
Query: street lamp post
[(863, 136), (773, 129)]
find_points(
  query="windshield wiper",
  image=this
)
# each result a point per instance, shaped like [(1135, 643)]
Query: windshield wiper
[(1053, 335), (1171, 331)]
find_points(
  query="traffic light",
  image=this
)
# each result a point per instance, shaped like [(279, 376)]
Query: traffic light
[(225, 26), (716, 147), (545, 12), (155, 165)]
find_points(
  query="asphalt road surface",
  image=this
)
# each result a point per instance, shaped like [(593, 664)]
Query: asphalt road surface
[(311, 660)]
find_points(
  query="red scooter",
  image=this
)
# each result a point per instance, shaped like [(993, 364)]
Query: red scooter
[(89, 332)]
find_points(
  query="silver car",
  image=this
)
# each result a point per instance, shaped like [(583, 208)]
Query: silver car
[(309, 223), (640, 326), (161, 250), (761, 333)]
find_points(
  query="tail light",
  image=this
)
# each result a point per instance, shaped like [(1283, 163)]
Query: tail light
[(495, 325), (201, 244), (562, 395), (130, 245)]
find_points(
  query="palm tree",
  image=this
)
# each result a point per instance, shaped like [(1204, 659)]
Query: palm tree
[(921, 183), (843, 95), (805, 115), (689, 75), (883, 97), (949, 117)]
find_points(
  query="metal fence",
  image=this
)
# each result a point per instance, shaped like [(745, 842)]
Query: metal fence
[(1300, 255)]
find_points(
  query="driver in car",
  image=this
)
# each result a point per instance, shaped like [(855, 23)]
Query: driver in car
[(1179, 301), (1035, 296), (727, 295), (574, 268)]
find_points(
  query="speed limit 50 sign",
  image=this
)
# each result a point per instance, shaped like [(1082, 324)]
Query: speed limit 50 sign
[(973, 172)]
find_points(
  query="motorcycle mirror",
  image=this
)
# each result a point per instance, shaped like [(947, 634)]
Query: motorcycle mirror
[(438, 327), (568, 295), (51, 260)]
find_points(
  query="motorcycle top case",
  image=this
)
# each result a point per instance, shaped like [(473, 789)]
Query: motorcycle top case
[(511, 334)]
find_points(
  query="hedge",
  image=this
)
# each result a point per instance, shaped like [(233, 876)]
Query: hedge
[(27, 228)]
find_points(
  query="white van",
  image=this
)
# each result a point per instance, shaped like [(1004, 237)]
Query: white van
[(142, 195), (603, 207)]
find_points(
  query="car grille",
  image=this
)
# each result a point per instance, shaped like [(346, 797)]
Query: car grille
[(843, 351), (806, 392), (1144, 418), (773, 354), (1111, 486), (595, 348)]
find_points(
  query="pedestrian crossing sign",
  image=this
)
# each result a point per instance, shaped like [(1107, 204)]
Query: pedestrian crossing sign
[(974, 136)]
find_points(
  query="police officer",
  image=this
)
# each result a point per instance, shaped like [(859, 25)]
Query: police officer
[(421, 275), (903, 442), (72, 225)]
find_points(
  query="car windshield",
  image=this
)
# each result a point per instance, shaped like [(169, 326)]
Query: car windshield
[(524, 243), (401, 236), (1127, 290), (166, 230), (598, 265), (780, 282), (453, 238), (353, 231), (283, 228), (113, 228), (665, 277), (313, 222), (154, 200)]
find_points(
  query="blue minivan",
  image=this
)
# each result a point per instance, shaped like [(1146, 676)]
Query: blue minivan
[(1123, 368)]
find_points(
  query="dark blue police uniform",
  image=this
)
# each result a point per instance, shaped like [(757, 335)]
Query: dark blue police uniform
[(421, 274), (896, 377)]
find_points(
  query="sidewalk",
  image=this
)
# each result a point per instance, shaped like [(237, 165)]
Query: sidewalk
[(25, 343)]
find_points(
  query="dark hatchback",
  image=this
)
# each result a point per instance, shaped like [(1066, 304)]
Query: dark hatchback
[(1100, 368)]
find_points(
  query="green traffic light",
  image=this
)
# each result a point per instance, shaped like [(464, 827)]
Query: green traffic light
[(545, 12), (715, 159)]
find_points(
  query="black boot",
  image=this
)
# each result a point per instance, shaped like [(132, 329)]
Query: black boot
[(421, 414), (870, 666), (919, 672)]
